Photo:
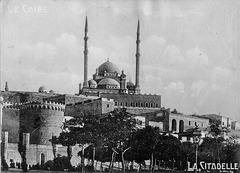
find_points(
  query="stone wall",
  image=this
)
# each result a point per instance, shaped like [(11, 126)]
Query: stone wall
[(68, 98), (13, 97), (90, 107), (35, 154), (11, 123)]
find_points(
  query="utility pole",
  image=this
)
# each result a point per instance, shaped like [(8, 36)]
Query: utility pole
[(1, 106)]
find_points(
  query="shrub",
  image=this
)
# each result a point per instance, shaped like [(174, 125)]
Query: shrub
[(4, 164), (61, 164)]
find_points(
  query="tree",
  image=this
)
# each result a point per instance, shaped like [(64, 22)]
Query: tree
[(104, 133), (143, 145), (210, 149), (169, 149), (188, 153), (22, 150), (82, 131), (116, 131)]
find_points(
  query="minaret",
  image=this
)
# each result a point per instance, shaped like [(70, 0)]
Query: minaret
[(85, 52), (6, 86), (137, 86)]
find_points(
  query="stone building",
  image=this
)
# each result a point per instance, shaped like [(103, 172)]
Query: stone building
[(235, 125), (220, 120)]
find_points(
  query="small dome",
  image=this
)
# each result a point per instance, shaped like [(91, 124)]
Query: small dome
[(109, 67), (108, 81), (52, 92), (130, 84), (92, 82), (42, 89)]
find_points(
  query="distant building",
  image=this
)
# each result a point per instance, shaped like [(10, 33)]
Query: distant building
[(235, 125), (220, 120)]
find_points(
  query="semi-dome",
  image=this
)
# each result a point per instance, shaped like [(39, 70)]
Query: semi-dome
[(109, 67), (42, 89), (92, 82), (108, 81), (130, 83), (52, 92)]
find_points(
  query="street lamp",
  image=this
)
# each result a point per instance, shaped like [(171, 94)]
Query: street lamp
[(196, 140)]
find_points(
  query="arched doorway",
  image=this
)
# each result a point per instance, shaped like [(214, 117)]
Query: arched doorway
[(181, 126), (174, 125), (42, 158)]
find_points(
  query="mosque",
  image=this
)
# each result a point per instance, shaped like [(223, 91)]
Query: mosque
[(108, 78), (32, 118)]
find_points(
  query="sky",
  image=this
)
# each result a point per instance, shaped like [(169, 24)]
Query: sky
[(189, 50)]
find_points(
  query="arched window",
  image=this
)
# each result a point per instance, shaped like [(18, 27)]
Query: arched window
[(174, 125), (181, 126), (189, 123), (195, 123), (131, 104)]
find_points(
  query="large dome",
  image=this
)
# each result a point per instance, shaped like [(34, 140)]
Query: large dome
[(109, 67), (108, 81)]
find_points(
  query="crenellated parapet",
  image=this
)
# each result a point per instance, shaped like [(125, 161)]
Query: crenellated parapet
[(35, 105), (43, 105), (11, 105)]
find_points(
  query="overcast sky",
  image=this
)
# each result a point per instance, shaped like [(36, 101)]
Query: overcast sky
[(189, 49)]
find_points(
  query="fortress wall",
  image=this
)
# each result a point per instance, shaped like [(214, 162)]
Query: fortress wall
[(67, 98), (12, 153), (11, 97), (11, 123), (33, 96), (39, 154), (87, 107)]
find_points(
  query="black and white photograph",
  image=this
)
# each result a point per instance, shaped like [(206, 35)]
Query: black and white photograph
[(120, 86)]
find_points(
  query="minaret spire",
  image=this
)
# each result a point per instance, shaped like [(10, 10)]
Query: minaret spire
[(137, 85), (85, 52), (6, 86)]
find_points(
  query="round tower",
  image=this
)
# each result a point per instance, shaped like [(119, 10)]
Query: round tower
[(41, 120)]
